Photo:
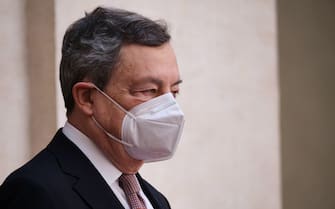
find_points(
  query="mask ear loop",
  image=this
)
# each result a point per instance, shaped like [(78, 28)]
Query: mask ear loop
[(115, 103), (110, 135)]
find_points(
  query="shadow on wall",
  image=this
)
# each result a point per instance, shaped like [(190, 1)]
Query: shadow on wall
[(40, 56), (307, 63)]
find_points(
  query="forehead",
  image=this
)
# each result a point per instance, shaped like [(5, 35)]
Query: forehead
[(138, 62)]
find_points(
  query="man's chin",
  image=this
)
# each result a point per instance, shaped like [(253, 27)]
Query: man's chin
[(133, 167)]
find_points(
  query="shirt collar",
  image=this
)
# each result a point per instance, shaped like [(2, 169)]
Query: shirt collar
[(107, 170)]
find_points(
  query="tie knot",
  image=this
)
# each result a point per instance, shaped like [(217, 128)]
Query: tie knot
[(129, 184)]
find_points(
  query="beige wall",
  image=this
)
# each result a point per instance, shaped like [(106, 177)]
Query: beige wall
[(14, 105), (227, 52), (27, 90), (307, 73)]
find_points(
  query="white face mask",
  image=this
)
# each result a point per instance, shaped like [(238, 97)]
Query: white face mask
[(151, 130)]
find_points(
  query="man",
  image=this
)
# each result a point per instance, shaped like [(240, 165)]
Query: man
[(119, 77)]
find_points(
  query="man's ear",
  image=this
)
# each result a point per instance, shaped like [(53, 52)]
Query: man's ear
[(81, 93)]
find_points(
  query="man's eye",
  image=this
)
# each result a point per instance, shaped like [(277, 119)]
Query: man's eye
[(149, 91), (146, 92), (175, 93)]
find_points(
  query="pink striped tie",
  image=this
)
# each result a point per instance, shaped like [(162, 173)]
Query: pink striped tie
[(131, 188)]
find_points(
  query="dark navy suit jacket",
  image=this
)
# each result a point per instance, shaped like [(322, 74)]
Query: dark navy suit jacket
[(61, 177)]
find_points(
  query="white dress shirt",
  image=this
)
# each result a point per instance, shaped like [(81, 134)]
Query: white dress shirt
[(107, 170)]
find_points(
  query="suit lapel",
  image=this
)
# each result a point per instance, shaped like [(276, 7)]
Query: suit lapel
[(89, 184), (157, 200)]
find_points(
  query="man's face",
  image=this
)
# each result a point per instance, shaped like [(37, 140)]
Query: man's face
[(144, 73)]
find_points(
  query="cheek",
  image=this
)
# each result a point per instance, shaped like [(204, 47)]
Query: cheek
[(110, 117), (132, 100), (115, 119)]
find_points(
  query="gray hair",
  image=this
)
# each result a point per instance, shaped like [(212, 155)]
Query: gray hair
[(92, 44)]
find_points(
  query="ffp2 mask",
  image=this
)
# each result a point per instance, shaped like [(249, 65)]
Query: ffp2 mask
[(150, 130)]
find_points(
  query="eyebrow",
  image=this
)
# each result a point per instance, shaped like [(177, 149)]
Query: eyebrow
[(155, 81), (177, 82)]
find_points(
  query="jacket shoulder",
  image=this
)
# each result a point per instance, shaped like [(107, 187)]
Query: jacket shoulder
[(26, 187)]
